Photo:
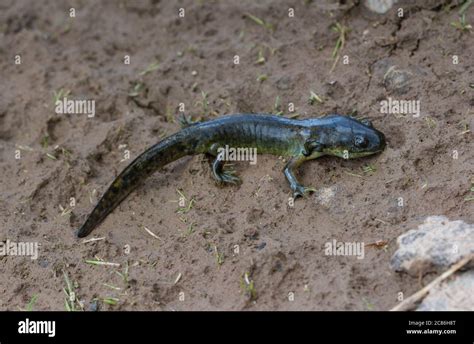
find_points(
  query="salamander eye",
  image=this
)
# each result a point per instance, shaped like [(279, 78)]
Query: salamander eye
[(367, 123), (361, 141)]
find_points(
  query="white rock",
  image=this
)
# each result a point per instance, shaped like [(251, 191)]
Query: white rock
[(379, 6), (437, 242), (454, 295)]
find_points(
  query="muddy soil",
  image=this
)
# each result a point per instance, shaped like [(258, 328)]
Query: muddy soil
[(232, 248)]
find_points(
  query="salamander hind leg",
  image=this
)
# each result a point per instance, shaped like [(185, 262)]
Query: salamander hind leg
[(220, 173), (223, 174)]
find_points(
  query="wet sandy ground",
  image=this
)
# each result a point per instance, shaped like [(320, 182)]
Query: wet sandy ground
[(233, 247)]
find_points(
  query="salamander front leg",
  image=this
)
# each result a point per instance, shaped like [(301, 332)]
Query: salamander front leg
[(290, 168)]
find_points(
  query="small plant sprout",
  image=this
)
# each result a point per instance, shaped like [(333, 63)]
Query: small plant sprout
[(353, 174), (30, 304), (260, 22), (151, 67), (169, 114), (190, 229), (108, 300), (369, 168), (260, 57), (45, 141), (111, 286), (270, 49), (137, 88), (124, 273), (430, 122), (461, 24), (185, 121), (465, 6), (277, 106), (219, 256), (203, 102), (111, 300), (184, 205), (51, 156), (64, 211), (262, 77), (465, 129), (341, 30), (294, 115), (470, 197), (247, 286), (313, 98), (71, 301), (368, 304), (60, 94), (101, 262), (92, 196)]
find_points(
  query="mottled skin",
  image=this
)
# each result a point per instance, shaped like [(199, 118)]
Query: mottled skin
[(299, 140)]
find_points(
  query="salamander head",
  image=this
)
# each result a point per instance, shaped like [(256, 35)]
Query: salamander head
[(346, 137)]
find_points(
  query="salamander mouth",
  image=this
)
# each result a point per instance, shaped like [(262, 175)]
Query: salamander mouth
[(362, 154)]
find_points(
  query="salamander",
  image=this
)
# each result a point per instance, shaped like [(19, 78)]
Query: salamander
[(298, 140)]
